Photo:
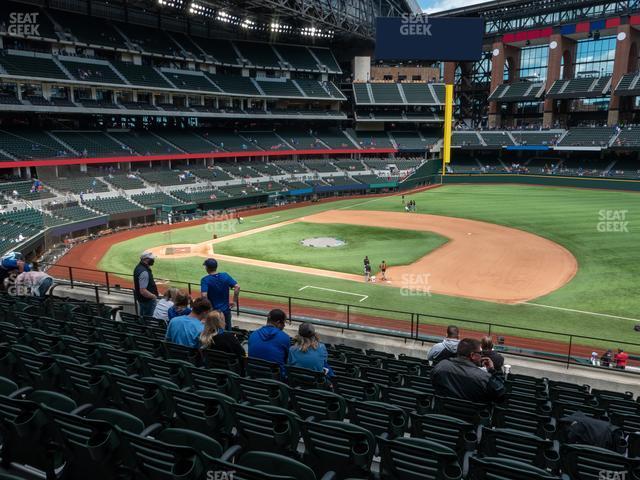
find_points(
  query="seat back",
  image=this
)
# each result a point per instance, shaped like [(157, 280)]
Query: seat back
[(408, 399), (418, 383), (258, 368), (142, 397), (213, 358), (401, 366), (520, 446), (221, 381), (298, 377), (536, 424), (475, 413), (417, 459), (356, 388), (492, 468), (332, 445), (319, 404), (580, 461), (266, 427), (453, 433), (381, 376), (156, 459), (27, 435), (264, 392), (205, 411), (379, 418), (87, 445), (172, 370), (180, 352)]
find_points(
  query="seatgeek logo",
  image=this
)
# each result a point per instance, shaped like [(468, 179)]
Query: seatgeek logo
[(24, 24), (415, 25), (613, 221)]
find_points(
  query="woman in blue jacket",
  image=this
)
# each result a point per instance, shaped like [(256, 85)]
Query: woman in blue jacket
[(308, 352)]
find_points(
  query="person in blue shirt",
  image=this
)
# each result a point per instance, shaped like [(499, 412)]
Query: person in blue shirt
[(186, 329), (215, 286), (270, 343), (308, 352)]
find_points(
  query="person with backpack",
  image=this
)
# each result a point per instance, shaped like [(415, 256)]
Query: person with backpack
[(447, 348)]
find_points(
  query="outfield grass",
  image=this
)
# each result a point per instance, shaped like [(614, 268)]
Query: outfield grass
[(283, 245), (609, 262)]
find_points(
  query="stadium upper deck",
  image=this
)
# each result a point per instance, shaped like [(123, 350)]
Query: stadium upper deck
[(551, 63)]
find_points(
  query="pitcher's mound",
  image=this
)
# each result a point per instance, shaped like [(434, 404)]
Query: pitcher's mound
[(323, 242)]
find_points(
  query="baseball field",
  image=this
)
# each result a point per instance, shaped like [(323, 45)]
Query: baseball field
[(559, 260)]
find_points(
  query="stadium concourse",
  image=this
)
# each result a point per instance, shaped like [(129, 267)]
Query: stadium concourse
[(134, 129)]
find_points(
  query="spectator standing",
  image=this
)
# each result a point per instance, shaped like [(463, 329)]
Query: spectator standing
[(180, 305), (186, 329), (145, 289), (463, 376), (488, 351), (621, 359), (215, 337), (606, 359), (308, 352), (161, 311), (447, 348), (215, 286), (269, 342)]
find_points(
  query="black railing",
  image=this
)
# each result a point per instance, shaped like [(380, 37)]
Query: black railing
[(567, 348)]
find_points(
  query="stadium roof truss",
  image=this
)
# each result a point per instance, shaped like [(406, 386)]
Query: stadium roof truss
[(512, 15), (350, 17)]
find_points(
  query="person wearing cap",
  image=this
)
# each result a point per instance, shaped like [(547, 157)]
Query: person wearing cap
[(11, 265), (269, 342), (308, 352), (145, 290), (215, 286)]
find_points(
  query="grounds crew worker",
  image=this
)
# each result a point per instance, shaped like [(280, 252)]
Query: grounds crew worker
[(145, 290)]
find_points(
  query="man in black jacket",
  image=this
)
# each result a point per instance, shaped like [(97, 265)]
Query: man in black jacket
[(145, 289), (469, 375)]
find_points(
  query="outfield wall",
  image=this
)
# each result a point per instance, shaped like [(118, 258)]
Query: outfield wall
[(545, 180)]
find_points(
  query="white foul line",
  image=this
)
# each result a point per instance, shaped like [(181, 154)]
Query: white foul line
[(364, 297), (582, 311), (265, 219)]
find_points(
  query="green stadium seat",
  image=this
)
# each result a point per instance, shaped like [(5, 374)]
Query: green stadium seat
[(584, 461), (264, 391), (356, 388), (268, 428), (172, 453), (407, 398), (520, 446), (298, 377), (458, 435), (417, 459), (337, 446), (265, 466), (317, 404), (491, 468), (475, 413), (378, 417), (222, 381), (258, 368), (205, 411)]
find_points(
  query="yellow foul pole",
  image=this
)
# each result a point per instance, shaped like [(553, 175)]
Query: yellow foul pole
[(448, 121)]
